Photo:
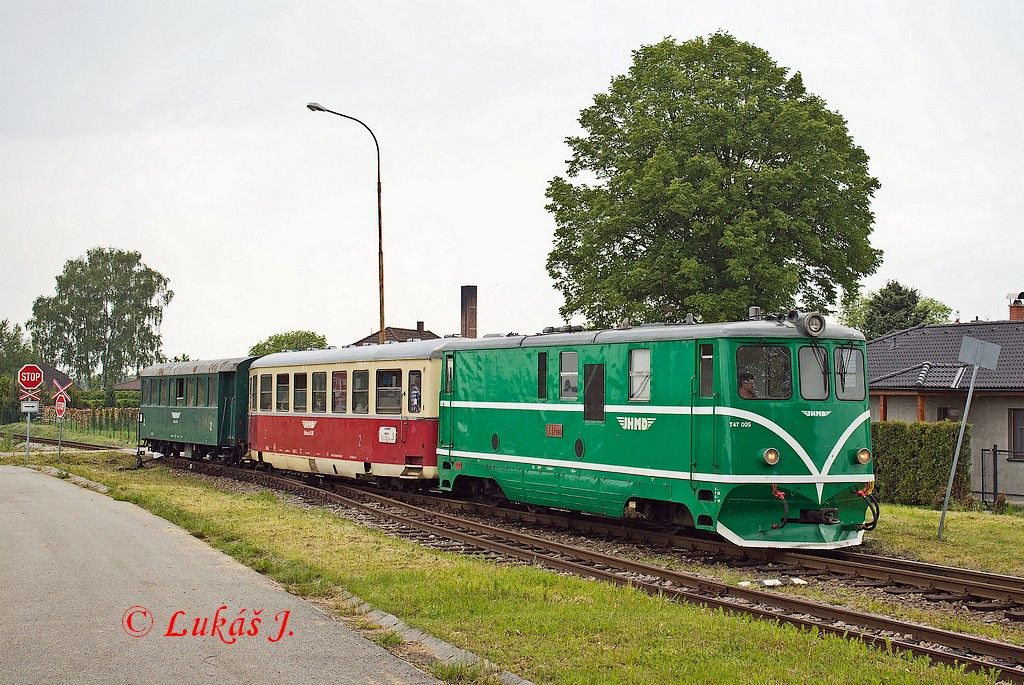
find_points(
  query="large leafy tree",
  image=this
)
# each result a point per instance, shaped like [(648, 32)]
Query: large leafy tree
[(14, 352), (895, 307), (105, 315), (708, 179), (290, 340)]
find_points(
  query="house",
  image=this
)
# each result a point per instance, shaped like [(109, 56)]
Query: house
[(916, 375), (51, 375), (393, 334)]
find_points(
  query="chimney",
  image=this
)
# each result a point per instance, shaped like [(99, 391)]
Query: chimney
[(469, 311), (1017, 307), (419, 326)]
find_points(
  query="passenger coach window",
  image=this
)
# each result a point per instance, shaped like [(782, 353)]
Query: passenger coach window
[(707, 370), (415, 392), (266, 392), (813, 373), (339, 391), (163, 392), (849, 373), (568, 376), (764, 372), (253, 393), (360, 392), (299, 403), (179, 391), (190, 392), (639, 375), (320, 392), (389, 391), (203, 392), (282, 392)]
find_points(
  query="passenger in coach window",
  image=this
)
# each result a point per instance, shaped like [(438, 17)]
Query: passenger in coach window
[(414, 398)]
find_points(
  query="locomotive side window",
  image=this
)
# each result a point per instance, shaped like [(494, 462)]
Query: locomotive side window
[(639, 375), (593, 392), (415, 392), (360, 392), (707, 370), (849, 373), (299, 397), (320, 392), (282, 391), (568, 376), (339, 392), (389, 391), (542, 375), (266, 392), (813, 363), (449, 373), (764, 372)]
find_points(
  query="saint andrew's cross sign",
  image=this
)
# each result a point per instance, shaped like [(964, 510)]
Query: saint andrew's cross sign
[(30, 378)]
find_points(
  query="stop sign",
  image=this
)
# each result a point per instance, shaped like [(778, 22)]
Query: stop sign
[(61, 405), (30, 376)]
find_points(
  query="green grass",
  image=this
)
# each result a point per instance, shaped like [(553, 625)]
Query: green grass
[(48, 430), (543, 626)]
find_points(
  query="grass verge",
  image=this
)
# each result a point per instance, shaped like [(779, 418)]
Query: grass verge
[(545, 627), (48, 430)]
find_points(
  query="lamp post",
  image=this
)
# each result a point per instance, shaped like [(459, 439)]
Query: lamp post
[(316, 107)]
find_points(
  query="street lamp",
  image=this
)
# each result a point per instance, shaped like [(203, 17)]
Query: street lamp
[(317, 107)]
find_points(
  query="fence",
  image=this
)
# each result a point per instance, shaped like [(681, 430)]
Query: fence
[(1003, 470), (117, 423)]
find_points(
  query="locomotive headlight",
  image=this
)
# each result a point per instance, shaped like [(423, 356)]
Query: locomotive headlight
[(771, 456), (814, 324), (863, 455)]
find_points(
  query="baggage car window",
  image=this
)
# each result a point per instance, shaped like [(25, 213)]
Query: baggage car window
[(707, 370), (849, 373), (266, 391), (813, 363), (639, 375), (282, 391), (339, 392), (389, 391), (764, 372), (320, 392), (542, 375), (299, 398), (360, 392), (415, 392), (568, 376)]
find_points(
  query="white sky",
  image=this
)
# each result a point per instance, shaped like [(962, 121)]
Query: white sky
[(179, 129)]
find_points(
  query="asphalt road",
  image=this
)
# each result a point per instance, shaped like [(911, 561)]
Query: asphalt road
[(73, 563)]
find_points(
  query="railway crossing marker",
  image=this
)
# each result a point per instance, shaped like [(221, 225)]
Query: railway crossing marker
[(30, 378), (60, 405)]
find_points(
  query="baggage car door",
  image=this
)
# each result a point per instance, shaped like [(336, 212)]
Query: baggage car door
[(704, 399)]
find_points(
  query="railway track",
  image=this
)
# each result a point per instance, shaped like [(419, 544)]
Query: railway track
[(70, 444), (411, 520)]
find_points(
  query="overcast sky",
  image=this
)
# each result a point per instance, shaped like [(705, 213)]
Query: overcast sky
[(179, 129)]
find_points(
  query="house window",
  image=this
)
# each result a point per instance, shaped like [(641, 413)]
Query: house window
[(639, 375), (282, 391), (949, 413), (389, 391), (568, 376), (1017, 433), (360, 392), (299, 398), (339, 391), (320, 392), (266, 391)]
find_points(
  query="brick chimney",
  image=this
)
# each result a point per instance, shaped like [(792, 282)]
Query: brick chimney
[(469, 311), (419, 326), (1017, 307)]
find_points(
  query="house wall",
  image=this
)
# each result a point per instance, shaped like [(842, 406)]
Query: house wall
[(989, 419)]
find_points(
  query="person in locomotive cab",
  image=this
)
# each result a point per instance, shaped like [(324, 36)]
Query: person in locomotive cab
[(747, 389)]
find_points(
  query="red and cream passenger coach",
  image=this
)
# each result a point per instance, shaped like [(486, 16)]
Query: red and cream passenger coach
[(355, 411)]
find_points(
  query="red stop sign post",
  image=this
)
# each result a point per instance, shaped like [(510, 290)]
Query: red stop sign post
[(30, 378)]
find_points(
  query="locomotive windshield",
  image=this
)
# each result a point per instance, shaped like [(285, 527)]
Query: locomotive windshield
[(765, 372), (849, 373)]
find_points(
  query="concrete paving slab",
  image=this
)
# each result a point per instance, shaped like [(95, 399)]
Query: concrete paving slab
[(74, 563)]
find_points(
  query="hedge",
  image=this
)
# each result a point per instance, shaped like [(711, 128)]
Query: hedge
[(912, 461)]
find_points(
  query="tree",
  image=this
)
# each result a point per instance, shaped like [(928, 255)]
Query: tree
[(895, 307), (105, 315), (14, 353), (716, 182), (291, 340)]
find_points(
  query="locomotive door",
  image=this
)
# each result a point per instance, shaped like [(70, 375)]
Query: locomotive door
[(704, 399), (446, 412)]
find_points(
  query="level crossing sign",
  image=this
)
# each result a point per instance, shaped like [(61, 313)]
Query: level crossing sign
[(60, 405), (30, 378)]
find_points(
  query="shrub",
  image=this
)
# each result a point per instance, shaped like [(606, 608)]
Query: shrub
[(912, 461)]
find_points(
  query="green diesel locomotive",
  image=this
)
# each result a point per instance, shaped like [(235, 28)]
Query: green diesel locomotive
[(756, 430)]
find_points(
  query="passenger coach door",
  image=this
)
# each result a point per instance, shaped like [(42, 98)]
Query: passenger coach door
[(704, 399), (446, 412)]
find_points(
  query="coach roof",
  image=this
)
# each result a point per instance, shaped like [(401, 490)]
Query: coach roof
[(196, 367), (418, 349)]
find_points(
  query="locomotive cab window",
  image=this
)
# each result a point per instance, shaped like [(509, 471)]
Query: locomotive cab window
[(849, 373), (568, 376), (266, 391), (707, 370), (542, 375), (339, 392), (299, 396), (639, 375), (282, 391), (360, 392), (319, 392), (764, 372), (389, 391), (813, 363)]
